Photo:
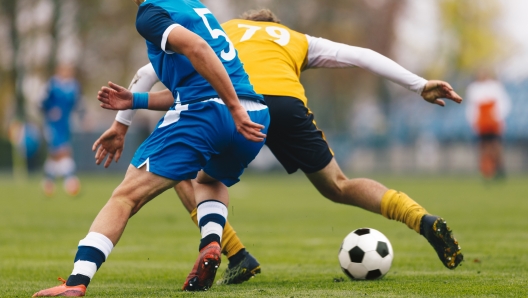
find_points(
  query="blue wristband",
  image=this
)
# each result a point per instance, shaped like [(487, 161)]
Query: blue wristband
[(139, 100)]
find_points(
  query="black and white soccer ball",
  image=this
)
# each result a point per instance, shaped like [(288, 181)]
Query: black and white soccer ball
[(365, 254)]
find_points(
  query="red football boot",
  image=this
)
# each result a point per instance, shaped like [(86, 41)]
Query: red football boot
[(203, 273)]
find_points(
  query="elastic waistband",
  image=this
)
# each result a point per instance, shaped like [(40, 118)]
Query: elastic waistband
[(249, 105)]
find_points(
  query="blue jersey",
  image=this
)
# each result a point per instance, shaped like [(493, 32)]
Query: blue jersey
[(61, 98), (154, 21)]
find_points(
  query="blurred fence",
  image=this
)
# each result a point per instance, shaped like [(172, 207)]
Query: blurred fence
[(426, 155), (414, 138)]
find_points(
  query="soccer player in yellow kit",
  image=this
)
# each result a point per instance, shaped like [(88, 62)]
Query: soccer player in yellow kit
[(274, 57)]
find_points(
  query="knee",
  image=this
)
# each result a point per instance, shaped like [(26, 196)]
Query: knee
[(333, 191), (126, 199)]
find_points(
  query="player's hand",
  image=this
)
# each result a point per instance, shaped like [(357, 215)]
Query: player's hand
[(115, 97), (249, 129), (434, 90), (110, 143)]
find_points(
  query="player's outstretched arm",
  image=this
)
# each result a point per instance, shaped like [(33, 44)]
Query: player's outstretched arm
[(324, 53), (328, 54), (434, 90), (110, 143)]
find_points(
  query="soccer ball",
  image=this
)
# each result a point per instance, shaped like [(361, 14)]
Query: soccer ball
[(365, 254)]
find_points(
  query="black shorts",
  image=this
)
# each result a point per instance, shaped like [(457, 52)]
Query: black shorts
[(293, 137), (489, 137)]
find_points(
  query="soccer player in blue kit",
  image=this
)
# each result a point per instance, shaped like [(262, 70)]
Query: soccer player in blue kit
[(215, 126), (62, 97)]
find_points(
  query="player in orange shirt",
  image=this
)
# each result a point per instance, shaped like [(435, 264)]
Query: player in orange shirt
[(487, 108)]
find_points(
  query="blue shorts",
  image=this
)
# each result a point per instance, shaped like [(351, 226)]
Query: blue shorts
[(199, 136), (57, 137)]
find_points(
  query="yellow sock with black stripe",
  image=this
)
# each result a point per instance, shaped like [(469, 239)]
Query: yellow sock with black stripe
[(398, 206), (231, 244)]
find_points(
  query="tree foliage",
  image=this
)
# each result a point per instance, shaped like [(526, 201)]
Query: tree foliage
[(112, 49), (471, 34)]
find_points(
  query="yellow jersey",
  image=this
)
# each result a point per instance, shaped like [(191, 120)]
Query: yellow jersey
[(273, 56)]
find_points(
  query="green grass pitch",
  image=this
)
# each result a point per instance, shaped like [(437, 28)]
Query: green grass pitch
[(287, 225)]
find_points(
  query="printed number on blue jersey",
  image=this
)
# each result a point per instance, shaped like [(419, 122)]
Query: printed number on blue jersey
[(216, 33)]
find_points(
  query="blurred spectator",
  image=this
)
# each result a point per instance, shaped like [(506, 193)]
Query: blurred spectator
[(61, 98), (487, 106)]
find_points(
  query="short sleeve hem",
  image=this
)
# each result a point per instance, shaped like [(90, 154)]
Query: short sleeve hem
[(165, 37)]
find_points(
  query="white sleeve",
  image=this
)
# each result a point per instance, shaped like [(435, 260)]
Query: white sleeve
[(328, 54), (143, 81)]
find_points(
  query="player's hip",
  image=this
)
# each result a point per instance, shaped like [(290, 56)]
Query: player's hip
[(293, 136), (212, 112), (190, 136)]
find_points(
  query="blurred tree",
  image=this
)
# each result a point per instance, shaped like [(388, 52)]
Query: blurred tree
[(15, 75), (470, 36), (111, 47), (11, 71)]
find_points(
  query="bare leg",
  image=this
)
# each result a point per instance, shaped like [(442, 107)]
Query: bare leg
[(367, 194), (185, 192), (498, 158), (59, 164), (208, 188), (373, 196), (361, 192), (137, 189), (487, 159)]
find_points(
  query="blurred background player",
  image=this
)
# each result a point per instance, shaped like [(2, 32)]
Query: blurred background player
[(274, 56), (62, 97), (487, 107)]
